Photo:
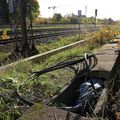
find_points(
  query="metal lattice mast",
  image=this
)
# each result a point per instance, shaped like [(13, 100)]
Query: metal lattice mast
[(20, 11)]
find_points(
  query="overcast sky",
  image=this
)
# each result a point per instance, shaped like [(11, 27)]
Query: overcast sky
[(106, 8)]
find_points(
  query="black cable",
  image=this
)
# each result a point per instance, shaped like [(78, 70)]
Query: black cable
[(62, 65), (88, 66), (91, 59), (22, 99)]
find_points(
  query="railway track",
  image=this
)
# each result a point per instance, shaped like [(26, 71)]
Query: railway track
[(42, 30), (45, 30), (38, 37), (38, 34)]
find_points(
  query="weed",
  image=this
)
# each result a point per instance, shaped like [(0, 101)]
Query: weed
[(47, 85)]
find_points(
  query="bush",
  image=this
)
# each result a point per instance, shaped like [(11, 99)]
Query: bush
[(97, 39)]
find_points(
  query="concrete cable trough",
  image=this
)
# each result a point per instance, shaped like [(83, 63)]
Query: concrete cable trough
[(107, 58)]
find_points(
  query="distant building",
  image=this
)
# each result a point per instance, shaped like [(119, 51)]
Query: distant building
[(4, 14)]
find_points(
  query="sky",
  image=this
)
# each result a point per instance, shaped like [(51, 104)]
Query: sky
[(106, 8)]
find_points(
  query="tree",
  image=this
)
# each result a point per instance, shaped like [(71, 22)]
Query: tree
[(34, 7), (57, 18), (31, 8), (65, 20), (72, 18), (110, 21)]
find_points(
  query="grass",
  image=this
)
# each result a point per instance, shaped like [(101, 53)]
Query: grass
[(61, 41), (56, 26), (50, 45), (3, 55), (46, 84)]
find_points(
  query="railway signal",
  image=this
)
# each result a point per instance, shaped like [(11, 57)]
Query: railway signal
[(96, 11), (79, 13)]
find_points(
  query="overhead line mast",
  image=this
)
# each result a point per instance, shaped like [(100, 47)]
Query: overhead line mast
[(19, 26)]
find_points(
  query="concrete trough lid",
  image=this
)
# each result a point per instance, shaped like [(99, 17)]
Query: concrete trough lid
[(106, 57)]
